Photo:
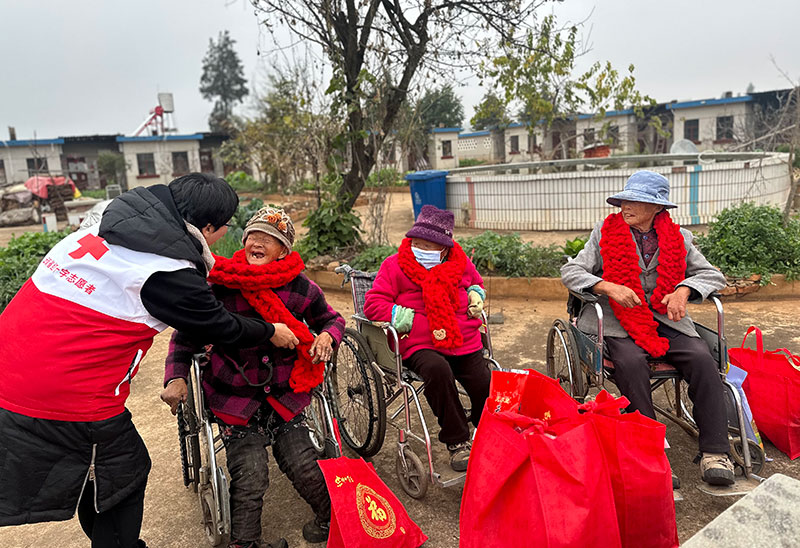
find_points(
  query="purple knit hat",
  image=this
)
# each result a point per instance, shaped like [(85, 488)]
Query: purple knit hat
[(435, 225)]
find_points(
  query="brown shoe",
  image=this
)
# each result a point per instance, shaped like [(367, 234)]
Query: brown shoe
[(716, 469), (459, 455)]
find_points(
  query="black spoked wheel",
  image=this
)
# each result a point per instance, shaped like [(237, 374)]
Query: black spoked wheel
[(357, 397), (189, 442), (757, 455), (562, 360)]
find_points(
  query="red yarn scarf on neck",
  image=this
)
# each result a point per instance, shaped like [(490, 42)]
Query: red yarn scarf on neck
[(439, 292), (256, 283), (621, 266)]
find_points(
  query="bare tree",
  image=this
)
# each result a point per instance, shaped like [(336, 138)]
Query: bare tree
[(403, 38)]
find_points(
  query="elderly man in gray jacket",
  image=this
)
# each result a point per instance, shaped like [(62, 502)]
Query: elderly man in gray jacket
[(645, 269)]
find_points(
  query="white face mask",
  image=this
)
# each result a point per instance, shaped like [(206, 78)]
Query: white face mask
[(426, 258)]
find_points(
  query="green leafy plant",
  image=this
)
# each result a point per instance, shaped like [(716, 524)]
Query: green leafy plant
[(384, 178), (242, 182), (330, 230), (97, 194), (747, 239), (507, 255), (371, 258), (470, 162), (244, 212), (572, 247), (19, 260)]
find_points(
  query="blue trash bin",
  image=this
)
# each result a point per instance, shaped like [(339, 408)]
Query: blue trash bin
[(427, 187)]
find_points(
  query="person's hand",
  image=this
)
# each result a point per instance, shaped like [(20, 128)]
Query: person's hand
[(284, 337), (176, 392), (623, 295), (475, 305), (402, 318), (322, 348), (676, 303)]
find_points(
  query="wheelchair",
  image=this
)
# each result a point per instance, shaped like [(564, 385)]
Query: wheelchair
[(368, 378), (576, 360), (200, 442)]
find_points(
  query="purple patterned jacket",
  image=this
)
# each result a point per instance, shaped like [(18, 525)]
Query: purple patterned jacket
[(224, 388)]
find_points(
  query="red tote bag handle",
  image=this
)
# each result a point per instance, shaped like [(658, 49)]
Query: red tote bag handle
[(793, 360), (759, 345)]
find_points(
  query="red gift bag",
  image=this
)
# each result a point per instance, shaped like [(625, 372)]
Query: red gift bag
[(773, 391), (641, 477), (364, 511), (529, 393), (538, 484)]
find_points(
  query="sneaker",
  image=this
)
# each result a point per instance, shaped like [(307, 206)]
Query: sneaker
[(459, 455), (316, 530), (716, 469)]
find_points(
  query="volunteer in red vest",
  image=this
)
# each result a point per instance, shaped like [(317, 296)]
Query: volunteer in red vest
[(74, 337), (433, 295), (645, 270)]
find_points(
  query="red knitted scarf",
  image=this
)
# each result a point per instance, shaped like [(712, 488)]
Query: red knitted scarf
[(256, 283), (621, 266), (439, 292)]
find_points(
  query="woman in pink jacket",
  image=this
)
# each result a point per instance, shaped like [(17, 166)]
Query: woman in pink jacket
[(433, 295)]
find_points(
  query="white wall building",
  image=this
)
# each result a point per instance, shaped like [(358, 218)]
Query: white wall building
[(713, 124), (477, 145), (22, 159), (617, 129), (159, 159), (442, 147)]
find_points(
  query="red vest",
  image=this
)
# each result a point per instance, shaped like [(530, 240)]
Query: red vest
[(75, 333)]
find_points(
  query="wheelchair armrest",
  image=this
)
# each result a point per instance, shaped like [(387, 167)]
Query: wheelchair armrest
[(584, 296), (363, 319)]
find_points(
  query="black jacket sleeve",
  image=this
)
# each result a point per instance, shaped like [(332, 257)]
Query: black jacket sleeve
[(182, 299)]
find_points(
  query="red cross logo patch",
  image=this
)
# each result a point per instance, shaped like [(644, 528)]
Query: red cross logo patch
[(91, 244)]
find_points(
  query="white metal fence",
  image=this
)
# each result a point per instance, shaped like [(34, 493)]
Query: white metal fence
[(493, 198)]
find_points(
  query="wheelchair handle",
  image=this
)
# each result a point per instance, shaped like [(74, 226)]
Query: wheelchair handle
[(584, 296)]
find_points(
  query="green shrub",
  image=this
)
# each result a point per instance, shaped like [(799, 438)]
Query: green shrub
[(330, 230), (787, 148), (572, 247), (19, 260), (371, 258), (748, 239), (385, 177), (507, 255), (244, 212), (242, 182), (470, 162), (97, 194)]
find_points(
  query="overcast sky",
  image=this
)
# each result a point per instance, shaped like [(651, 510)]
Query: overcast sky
[(89, 66)]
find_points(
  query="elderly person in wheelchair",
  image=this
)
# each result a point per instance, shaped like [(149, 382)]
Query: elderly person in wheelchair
[(433, 295), (258, 394), (645, 269)]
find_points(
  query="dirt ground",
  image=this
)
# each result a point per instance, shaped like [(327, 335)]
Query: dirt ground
[(172, 514)]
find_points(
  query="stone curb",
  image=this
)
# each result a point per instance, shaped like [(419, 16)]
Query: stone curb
[(551, 289)]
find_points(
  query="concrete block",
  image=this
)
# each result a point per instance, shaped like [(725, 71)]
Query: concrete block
[(768, 517)]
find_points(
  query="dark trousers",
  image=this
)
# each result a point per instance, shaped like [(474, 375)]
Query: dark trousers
[(246, 453), (690, 356), (440, 373), (117, 527)]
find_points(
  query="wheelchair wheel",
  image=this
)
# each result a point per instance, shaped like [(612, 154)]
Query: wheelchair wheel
[(315, 420), (189, 442), (357, 396), (210, 524), (757, 455), (412, 473), (562, 360)]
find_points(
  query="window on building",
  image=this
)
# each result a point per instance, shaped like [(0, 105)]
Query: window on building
[(691, 130), (447, 149), (147, 164), (36, 166), (180, 163), (531, 143), (724, 128), (206, 160), (588, 136), (514, 144), (613, 135), (2, 173)]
